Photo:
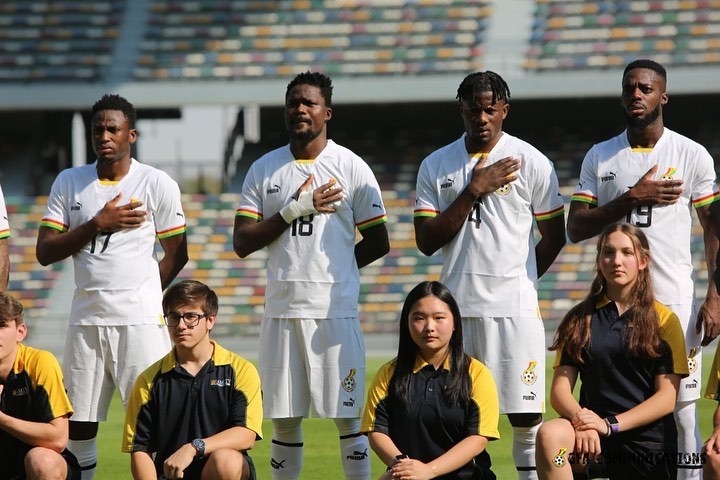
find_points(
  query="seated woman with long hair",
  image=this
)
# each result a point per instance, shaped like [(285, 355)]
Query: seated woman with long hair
[(431, 411), (630, 353)]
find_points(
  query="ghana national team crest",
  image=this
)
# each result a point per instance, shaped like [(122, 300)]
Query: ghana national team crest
[(348, 382), (528, 376), (559, 459), (692, 361), (504, 190), (670, 174)]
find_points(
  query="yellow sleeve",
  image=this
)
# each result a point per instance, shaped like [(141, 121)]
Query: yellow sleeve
[(713, 384), (484, 394), (376, 393), (672, 333), (247, 380)]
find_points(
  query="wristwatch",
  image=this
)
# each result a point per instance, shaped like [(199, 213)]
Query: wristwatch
[(199, 446), (397, 459), (613, 424)]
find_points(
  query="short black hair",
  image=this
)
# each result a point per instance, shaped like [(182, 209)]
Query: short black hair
[(316, 79), (116, 102), (487, 81), (649, 64)]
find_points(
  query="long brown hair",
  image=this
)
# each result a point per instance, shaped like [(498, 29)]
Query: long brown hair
[(642, 337)]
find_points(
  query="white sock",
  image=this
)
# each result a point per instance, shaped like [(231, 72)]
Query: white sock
[(354, 449), (286, 449), (86, 453), (689, 441), (523, 451)]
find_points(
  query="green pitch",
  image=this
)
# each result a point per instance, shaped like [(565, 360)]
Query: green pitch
[(321, 454)]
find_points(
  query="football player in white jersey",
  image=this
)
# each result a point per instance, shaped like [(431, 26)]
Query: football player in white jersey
[(4, 249), (305, 202), (108, 217), (651, 176), (478, 199)]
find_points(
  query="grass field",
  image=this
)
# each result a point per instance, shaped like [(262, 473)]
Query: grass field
[(321, 454)]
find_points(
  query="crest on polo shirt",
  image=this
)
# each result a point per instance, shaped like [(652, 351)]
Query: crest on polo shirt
[(529, 376), (348, 382), (504, 190)]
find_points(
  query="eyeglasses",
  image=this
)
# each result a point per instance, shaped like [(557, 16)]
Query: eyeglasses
[(191, 319)]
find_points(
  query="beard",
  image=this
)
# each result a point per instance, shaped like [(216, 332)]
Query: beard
[(305, 136), (643, 122)]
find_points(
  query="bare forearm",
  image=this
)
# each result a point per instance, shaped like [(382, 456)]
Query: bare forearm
[(235, 438), (661, 403), (431, 234), (384, 447), (585, 222), (175, 258), (4, 264), (250, 236), (374, 244), (551, 243), (460, 454), (36, 434), (53, 246), (142, 466)]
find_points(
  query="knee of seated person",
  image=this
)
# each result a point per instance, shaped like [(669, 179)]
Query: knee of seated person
[(554, 431), (224, 463), (42, 462), (524, 419)]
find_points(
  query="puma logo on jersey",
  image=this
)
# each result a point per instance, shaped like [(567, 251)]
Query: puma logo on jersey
[(580, 184), (608, 177), (179, 214), (275, 189), (350, 402), (277, 465), (376, 205), (530, 397), (449, 182), (76, 206), (358, 455), (694, 384)]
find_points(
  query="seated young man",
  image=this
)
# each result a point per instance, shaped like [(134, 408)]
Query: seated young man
[(195, 412), (34, 408)]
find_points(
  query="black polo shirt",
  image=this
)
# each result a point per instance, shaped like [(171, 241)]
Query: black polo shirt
[(34, 392), (169, 407), (613, 381), (431, 426)]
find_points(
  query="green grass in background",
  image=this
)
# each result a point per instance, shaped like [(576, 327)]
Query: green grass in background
[(322, 459)]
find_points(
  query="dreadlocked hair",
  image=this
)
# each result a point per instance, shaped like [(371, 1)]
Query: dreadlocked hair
[(480, 82), (642, 337)]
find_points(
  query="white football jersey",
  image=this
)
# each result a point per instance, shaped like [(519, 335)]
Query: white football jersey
[(612, 167), (4, 224), (490, 264), (311, 270), (117, 277)]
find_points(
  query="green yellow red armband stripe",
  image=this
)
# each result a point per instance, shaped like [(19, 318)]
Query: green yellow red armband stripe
[(706, 200), (4, 233), (45, 222), (425, 212), (171, 232), (551, 214), (242, 212), (372, 222), (585, 198)]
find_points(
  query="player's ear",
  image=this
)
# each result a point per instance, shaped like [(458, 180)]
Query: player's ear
[(664, 98), (21, 332)]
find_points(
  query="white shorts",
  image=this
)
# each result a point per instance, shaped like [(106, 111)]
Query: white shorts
[(690, 386), (99, 358), (514, 351), (306, 361)]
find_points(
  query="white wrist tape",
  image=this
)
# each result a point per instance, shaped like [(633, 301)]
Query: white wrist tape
[(298, 208)]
